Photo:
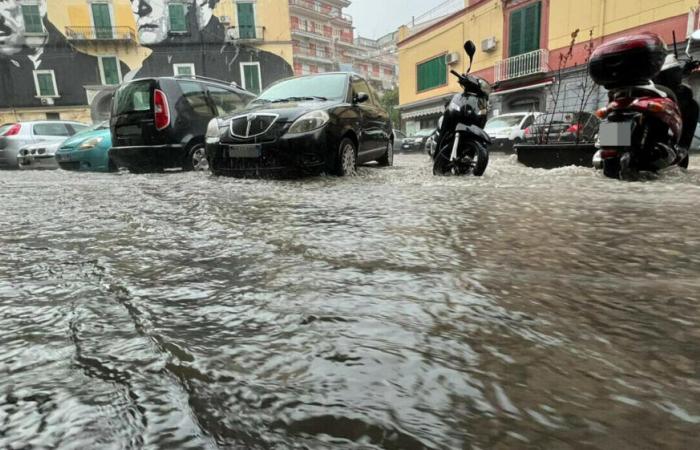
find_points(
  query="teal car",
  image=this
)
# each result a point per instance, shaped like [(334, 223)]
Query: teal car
[(87, 151)]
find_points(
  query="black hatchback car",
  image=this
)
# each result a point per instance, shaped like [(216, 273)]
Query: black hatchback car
[(305, 125), (159, 123)]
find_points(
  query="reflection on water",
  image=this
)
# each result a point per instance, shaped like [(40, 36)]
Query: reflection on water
[(527, 309)]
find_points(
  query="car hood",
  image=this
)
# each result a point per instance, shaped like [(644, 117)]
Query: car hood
[(74, 141), (286, 112), (48, 145)]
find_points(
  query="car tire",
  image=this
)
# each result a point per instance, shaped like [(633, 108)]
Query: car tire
[(388, 159), (346, 164), (196, 159)]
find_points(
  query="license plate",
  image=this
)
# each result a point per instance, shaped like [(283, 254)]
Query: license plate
[(615, 134), (244, 151), (62, 157)]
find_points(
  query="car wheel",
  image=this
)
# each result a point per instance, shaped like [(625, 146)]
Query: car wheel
[(347, 159), (196, 159), (388, 159)]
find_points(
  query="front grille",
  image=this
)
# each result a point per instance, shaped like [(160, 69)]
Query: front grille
[(252, 125)]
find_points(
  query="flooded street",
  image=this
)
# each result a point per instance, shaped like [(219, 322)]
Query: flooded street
[(527, 309)]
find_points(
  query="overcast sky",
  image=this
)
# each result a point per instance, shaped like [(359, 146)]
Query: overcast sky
[(375, 18)]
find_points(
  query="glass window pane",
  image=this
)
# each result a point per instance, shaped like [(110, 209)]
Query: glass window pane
[(110, 69), (183, 70), (51, 129), (177, 17), (134, 96), (32, 19), (196, 97), (225, 100), (45, 82)]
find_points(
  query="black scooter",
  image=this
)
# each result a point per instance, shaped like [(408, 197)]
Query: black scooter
[(461, 142)]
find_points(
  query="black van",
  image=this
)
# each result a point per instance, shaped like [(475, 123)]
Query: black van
[(160, 123)]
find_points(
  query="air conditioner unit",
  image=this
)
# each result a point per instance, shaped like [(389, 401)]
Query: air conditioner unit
[(489, 44), (225, 19), (452, 58), (46, 101)]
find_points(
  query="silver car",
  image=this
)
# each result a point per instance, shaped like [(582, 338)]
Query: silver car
[(14, 136), (39, 156)]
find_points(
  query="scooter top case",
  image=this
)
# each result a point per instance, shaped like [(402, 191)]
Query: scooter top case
[(627, 61)]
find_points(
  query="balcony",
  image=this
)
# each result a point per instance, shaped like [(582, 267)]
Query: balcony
[(108, 34), (317, 55), (314, 9), (531, 63), (245, 33), (310, 33)]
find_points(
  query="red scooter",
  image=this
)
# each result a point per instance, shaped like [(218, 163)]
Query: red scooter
[(650, 121)]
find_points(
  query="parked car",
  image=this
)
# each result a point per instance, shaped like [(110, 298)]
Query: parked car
[(581, 127), (327, 122), (417, 141), (14, 136), (507, 130), (87, 151), (38, 156), (399, 137), (159, 123)]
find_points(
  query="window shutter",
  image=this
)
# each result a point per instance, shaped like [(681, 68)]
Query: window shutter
[(516, 32), (176, 12), (432, 73), (531, 29), (45, 85), (111, 71), (32, 19)]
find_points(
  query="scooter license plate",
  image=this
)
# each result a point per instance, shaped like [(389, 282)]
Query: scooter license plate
[(615, 134)]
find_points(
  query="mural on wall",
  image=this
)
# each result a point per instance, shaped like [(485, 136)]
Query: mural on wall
[(31, 50), (203, 44)]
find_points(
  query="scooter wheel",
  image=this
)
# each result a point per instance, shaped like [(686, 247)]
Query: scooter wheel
[(611, 168)]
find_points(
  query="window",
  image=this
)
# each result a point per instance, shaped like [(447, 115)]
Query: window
[(525, 29), (224, 100), (184, 69), (432, 74), (32, 19), (250, 74), (194, 93), (52, 116), (360, 85), (246, 19), (102, 19), (110, 72), (51, 129), (177, 17), (133, 97), (45, 83)]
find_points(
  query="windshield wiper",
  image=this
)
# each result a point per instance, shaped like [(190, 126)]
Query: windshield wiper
[(298, 99), (261, 100)]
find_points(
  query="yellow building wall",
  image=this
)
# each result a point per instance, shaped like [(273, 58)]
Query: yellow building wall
[(478, 24), (606, 17)]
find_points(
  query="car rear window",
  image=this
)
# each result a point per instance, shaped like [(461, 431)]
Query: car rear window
[(133, 97), (51, 129)]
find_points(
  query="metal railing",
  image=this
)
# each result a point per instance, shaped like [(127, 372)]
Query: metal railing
[(522, 65), (100, 34), (321, 8), (301, 29), (318, 53), (246, 33)]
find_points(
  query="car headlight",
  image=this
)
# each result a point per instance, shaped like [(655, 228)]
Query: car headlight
[(90, 143), (213, 136), (309, 122)]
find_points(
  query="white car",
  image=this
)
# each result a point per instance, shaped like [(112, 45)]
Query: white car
[(39, 156), (14, 136), (507, 130)]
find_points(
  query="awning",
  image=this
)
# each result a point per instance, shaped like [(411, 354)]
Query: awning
[(423, 112), (522, 88)]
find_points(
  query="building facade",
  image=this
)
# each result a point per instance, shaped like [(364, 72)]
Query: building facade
[(324, 41), (520, 48), (62, 57)]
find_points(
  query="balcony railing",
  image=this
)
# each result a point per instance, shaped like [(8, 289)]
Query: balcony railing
[(322, 8), (522, 65), (317, 53), (100, 34), (311, 32), (245, 33)]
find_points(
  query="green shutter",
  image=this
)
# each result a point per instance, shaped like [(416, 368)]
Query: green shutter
[(432, 74), (176, 13), (246, 20), (525, 29), (516, 32), (252, 78), (102, 20), (110, 69), (45, 82), (32, 19)]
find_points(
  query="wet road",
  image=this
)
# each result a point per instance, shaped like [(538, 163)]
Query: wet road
[(527, 309)]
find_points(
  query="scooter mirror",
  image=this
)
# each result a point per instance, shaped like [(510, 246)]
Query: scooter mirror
[(695, 36), (693, 42), (470, 48)]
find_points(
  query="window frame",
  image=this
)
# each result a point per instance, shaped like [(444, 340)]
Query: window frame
[(182, 5), (190, 66), (251, 63), (41, 21), (426, 61), (255, 17), (521, 10), (51, 72), (100, 64), (111, 14)]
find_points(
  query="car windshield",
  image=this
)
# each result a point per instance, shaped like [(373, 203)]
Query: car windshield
[(504, 122), (322, 87)]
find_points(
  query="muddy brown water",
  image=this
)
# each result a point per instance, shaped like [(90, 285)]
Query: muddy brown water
[(527, 309)]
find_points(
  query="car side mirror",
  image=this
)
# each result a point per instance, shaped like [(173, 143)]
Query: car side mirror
[(361, 97)]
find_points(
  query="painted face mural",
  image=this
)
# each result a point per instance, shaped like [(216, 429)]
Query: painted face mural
[(151, 20), (205, 11), (13, 29)]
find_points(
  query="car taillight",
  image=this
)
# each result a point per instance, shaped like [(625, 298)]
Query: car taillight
[(575, 128), (162, 111), (13, 130), (607, 153)]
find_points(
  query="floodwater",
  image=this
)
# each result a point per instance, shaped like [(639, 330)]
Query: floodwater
[(527, 309)]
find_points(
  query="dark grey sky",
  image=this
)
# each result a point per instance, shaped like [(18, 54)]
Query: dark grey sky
[(375, 18)]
